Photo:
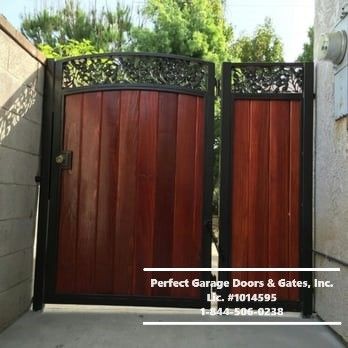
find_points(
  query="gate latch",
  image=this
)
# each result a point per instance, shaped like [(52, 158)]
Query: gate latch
[(64, 160)]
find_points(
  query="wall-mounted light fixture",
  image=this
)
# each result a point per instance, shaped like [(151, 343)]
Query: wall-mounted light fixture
[(333, 47)]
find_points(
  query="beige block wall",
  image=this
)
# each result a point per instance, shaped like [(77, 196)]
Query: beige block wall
[(331, 181), (21, 95)]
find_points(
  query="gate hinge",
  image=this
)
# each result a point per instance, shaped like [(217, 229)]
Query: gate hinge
[(217, 88)]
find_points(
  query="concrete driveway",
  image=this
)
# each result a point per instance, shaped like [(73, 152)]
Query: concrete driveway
[(76, 326)]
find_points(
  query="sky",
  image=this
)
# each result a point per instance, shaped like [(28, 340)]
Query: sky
[(291, 18)]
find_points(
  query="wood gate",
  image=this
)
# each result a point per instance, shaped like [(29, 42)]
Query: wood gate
[(127, 179), (266, 177)]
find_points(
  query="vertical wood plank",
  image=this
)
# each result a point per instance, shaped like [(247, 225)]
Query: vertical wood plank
[(197, 256), (184, 245), (126, 193), (240, 175), (87, 217), (294, 194), (69, 198), (165, 185), (258, 189), (107, 197), (145, 195), (279, 190)]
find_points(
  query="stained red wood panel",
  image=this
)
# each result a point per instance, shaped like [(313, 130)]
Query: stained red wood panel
[(240, 202), (107, 199), (265, 190), (258, 187), (294, 194), (185, 231), (165, 186), (70, 199), (133, 197)]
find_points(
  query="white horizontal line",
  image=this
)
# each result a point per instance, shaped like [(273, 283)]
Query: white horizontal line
[(242, 269), (242, 323)]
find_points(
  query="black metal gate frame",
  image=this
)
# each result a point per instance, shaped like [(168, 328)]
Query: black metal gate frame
[(126, 71), (102, 72), (269, 81)]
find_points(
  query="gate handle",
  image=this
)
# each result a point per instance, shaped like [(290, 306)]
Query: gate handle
[(64, 159)]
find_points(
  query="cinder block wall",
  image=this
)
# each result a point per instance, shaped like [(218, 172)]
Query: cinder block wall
[(331, 182), (21, 92)]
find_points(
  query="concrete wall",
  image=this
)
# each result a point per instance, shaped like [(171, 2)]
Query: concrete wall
[(21, 89), (331, 181)]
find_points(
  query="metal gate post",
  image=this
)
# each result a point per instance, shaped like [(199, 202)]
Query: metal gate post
[(225, 173), (46, 145), (306, 229)]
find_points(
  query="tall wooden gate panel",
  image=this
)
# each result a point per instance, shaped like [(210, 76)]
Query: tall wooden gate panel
[(130, 179), (266, 162), (133, 197)]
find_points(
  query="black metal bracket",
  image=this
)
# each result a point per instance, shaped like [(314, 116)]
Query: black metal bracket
[(64, 160)]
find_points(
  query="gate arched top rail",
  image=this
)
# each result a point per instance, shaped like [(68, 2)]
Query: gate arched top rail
[(135, 69)]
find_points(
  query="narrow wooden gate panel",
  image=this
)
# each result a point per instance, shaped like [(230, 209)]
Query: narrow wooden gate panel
[(265, 192), (265, 188)]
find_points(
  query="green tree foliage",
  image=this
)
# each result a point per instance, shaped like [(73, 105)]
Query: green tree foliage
[(196, 28), (307, 53), (263, 46), (105, 29), (70, 49), (41, 27)]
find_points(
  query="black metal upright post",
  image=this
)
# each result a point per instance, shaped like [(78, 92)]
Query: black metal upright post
[(208, 178), (225, 174), (306, 254), (45, 169)]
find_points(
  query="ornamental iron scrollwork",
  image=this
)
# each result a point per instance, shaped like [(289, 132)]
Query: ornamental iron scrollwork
[(267, 79), (113, 69)]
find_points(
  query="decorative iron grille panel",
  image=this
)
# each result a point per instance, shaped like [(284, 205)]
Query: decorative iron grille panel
[(275, 79), (135, 69)]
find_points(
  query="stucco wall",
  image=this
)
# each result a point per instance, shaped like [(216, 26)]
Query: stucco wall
[(21, 89), (331, 181)]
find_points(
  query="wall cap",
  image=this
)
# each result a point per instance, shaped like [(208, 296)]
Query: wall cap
[(21, 40)]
